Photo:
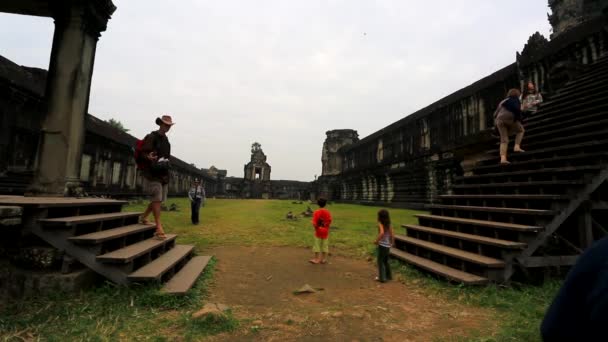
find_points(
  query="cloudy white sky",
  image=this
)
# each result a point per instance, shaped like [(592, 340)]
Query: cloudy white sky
[(283, 72)]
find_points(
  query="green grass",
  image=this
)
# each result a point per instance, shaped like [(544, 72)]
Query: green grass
[(110, 313), (263, 222), (520, 308)]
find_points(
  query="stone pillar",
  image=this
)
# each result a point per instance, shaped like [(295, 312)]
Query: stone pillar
[(78, 25)]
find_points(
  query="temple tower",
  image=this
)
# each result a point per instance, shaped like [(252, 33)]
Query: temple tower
[(567, 14), (257, 169), (330, 157)]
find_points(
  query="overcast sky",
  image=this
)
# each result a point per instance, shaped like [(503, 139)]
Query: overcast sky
[(283, 72)]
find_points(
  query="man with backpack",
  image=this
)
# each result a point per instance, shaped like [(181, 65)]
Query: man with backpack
[(152, 155)]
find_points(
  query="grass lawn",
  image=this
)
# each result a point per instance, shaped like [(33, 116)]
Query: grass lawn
[(108, 313)]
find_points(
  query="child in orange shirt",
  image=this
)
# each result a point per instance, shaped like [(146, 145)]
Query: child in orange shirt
[(321, 221)]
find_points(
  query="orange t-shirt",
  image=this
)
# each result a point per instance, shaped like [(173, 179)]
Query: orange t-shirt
[(321, 220)]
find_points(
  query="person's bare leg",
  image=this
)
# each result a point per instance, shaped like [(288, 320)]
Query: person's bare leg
[(503, 153), (316, 259), (504, 141), (144, 217), (518, 138), (323, 258), (156, 212)]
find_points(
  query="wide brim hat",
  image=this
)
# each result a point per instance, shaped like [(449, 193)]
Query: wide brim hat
[(165, 119)]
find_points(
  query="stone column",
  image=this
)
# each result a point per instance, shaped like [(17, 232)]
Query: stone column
[(78, 25)]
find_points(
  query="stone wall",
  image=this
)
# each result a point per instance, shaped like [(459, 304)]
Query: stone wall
[(107, 165), (410, 162), (568, 14), (274, 189)]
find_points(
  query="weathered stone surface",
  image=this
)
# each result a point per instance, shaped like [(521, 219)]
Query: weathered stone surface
[(567, 14), (38, 258), (330, 158), (16, 282), (10, 222), (10, 211)]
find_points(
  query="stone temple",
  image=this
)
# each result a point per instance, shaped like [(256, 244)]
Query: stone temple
[(256, 182), (484, 222)]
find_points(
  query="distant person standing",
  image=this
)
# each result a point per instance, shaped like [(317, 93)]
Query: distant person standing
[(197, 196), (507, 119), (531, 99), (321, 220), (156, 151), (385, 240)]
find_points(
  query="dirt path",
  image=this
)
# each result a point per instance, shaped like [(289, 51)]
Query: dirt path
[(258, 284)]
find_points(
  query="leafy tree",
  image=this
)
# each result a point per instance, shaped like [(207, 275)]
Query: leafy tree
[(117, 124)]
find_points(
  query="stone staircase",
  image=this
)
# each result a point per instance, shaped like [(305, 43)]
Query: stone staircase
[(532, 213), (99, 235)]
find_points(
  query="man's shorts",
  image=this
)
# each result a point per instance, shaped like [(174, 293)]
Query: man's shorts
[(320, 245), (156, 190)]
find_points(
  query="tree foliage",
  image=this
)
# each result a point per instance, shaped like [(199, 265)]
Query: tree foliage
[(117, 124)]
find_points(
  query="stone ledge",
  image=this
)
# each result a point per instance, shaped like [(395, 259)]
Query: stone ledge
[(16, 282), (10, 222), (10, 211)]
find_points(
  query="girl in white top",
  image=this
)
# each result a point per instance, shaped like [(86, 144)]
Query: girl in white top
[(530, 100), (385, 239)]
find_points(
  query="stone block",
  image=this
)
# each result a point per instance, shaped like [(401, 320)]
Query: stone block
[(10, 211), (16, 282), (10, 222), (36, 258)]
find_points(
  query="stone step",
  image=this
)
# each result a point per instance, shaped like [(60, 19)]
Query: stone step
[(183, 280), (74, 220), (540, 144), (509, 197), (127, 254), (159, 266), (583, 85), (481, 223), (518, 211), (110, 234), (521, 184), (590, 76), (452, 252), (53, 202), (547, 172), (587, 126), (467, 237), (563, 150), (439, 269), (558, 141), (565, 122), (566, 109), (539, 163), (538, 120)]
